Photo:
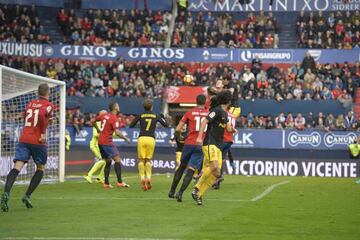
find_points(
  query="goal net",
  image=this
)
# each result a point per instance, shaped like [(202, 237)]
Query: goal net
[(17, 89)]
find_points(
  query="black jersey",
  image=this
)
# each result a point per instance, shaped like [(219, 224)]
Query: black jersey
[(148, 121), (217, 121)]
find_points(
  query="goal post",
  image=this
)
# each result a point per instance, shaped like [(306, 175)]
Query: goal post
[(17, 89)]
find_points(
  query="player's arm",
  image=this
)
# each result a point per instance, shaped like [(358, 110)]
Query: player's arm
[(94, 124), (43, 122), (134, 122), (178, 131), (199, 140), (162, 121), (120, 135), (230, 128)]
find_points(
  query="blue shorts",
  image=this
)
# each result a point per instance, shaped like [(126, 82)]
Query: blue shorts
[(192, 156), (108, 151), (24, 151), (225, 148)]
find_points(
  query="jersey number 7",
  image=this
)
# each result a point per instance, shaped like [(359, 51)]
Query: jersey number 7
[(148, 124)]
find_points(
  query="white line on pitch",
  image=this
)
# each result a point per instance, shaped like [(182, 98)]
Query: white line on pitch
[(135, 199), (82, 238), (268, 190)]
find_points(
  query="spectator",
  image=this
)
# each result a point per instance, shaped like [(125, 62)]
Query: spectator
[(299, 122), (350, 119), (308, 62), (330, 123), (340, 122)]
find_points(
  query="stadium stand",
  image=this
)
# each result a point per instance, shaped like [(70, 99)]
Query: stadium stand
[(114, 27), (225, 30), (21, 24), (332, 30), (302, 81)]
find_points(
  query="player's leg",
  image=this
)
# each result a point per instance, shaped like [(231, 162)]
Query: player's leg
[(106, 155), (177, 159), (34, 183), (117, 166), (149, 155), (98, 166), (225, 151), (211, 172), (39, 154), (194, 164), (107, 173), (185, 157), (141, 151), (22, 155), (231, 159)]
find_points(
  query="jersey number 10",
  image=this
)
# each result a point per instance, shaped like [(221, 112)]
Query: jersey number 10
[(199, 120)]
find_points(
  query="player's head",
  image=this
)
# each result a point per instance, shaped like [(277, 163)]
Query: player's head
[(200, 100), (43, 90), (102, 112), (224, 98), (114, 107), (219, 86), (148, 104)]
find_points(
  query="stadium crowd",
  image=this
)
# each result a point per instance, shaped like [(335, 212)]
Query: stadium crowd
[(304, 80), (21, 24), (224, 30), (114, 27), (282, 121), (337, 30)]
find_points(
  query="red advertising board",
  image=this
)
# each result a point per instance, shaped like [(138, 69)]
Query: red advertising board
[(184, 94)]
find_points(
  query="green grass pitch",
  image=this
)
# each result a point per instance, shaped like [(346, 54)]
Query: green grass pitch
[(244, 208)]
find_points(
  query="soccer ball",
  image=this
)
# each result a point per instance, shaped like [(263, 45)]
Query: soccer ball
[(188, 78)]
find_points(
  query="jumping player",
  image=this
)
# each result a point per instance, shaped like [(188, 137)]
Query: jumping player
[(191, 154), (233, 114), (99, 165), (216, 122), (109, 124), (32, 143), (146, 141)]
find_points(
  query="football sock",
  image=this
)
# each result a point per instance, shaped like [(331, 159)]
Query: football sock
[(148, 169), (177, 177), (102, 167), (178, 158), (187, 180), (98, 165), (117, 167), (107, 172), (209, 181), (10, 179), (141, 167), (34, 183), (203, 178)]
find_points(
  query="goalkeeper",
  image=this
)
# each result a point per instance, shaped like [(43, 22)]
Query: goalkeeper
[(100, 164)]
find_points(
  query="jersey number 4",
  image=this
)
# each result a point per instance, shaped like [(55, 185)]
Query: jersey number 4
[(31, 122)]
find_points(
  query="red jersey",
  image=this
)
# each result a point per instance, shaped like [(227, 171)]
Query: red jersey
[(109, 122), (37, 114), (229, 136), (193, 119)]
